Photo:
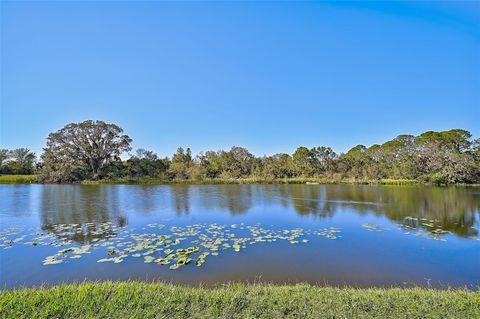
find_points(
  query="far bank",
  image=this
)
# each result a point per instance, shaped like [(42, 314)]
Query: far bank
[(32, 179)]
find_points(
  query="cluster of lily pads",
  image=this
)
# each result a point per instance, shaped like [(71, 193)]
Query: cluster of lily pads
[(430, 230), (6, 240), (196, 242), (433, 232), (374, 227), (59, 257), (58, 235), (176, 246)]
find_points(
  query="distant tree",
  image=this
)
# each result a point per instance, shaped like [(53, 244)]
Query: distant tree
[(398, 157), (301, 161), (181, 163), (17, 161), (23, 156), (146, 155), (80, 150), (475, 151), (239, 162), (278, 166), (22, 161), (146, 164), (323, 159), (456, 139), (4, 156), (354, 162), (211, 163)]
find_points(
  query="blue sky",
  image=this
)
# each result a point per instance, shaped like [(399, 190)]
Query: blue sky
[(266, 76)]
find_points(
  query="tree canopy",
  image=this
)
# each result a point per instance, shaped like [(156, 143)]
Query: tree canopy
[(17, 161), (80, 150), (92, 149)]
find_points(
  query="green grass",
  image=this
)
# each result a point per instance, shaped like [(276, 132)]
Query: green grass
[(28, 179), (18, 179), (389, 181), (155, 300), (250, 180)]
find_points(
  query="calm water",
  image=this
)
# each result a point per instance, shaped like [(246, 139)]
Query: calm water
[(356, 235)]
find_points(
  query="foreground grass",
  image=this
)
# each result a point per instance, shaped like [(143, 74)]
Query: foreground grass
[(155, 300), (18, 179)]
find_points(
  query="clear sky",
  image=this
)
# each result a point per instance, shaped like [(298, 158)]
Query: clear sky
[(266, 76)]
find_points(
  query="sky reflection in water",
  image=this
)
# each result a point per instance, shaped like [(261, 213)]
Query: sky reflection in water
[(384, 233)]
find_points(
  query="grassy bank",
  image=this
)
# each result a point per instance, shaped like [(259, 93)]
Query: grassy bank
[(153, 300), (28, 179), (252, 180), (212, 181), (18, 179)]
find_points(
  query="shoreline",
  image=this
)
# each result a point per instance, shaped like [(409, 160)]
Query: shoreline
[(153, 300), (32, 179)]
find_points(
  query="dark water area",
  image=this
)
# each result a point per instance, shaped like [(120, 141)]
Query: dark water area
[(362, 236)]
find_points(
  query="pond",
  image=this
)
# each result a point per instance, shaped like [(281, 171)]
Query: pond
[(361, 236)]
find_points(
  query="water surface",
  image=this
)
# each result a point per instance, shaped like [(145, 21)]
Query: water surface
[(361, 236)]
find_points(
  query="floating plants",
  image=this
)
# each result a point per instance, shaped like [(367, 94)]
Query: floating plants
[(8, 236), (72, 252), (415, 226), (374, 227), (192, 244), (179, 246), (175, 247)]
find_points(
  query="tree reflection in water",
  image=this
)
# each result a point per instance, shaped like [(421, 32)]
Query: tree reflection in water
[(456, 209), (94, 209)]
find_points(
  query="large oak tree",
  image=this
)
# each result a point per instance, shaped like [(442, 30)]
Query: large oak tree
[(80, 150)]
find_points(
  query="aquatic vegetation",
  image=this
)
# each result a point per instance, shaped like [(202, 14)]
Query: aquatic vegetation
[(176, 246), (207, 240), (7, 234), (52, 260), (435, 234), (374, 227), (116, 260), (423, 227), (62, 254), (433, 231)]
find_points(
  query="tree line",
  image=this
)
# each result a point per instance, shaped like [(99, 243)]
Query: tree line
[(91, 150), (18, 161)]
